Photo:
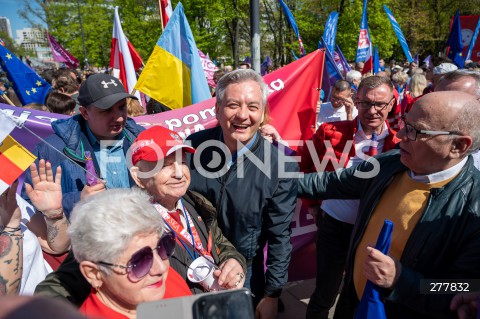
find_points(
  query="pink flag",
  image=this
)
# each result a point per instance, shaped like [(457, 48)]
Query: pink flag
[(61, 55), (209, 68), (124, 59), (166, 8)]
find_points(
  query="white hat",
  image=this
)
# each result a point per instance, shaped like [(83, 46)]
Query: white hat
[(444, 68)]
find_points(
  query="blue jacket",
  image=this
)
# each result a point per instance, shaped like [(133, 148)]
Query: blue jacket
[(70, 142)]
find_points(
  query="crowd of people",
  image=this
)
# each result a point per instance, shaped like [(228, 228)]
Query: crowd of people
[(112, 215)]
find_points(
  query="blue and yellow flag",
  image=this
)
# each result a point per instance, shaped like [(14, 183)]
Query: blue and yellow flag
[(28, 85), (173, 74)]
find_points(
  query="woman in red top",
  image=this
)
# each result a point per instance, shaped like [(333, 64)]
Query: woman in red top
[(119, 240)]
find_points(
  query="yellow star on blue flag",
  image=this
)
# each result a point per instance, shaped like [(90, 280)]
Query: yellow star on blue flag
[(28, 85)]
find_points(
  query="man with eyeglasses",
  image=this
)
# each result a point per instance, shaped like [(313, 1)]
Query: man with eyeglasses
[(352, 142), (340, 107), (429, 190)]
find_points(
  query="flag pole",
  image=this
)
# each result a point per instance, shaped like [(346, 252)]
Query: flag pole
[(160, 11), (5, 97)]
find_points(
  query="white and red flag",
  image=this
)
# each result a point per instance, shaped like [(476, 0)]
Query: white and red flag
[(166, 8), (124, 59)]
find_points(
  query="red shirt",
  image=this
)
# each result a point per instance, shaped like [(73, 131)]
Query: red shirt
[(94, 308)]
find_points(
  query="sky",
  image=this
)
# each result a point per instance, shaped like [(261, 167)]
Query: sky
[(9, 9)]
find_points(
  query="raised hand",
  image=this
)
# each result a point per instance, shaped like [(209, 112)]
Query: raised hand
[(46, 193)]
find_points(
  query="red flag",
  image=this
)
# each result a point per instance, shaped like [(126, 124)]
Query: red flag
[(124, 59), (368, 67), (166, 8)]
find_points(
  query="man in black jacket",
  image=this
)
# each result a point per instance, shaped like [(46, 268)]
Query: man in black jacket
[(250, 183), (429, 189)]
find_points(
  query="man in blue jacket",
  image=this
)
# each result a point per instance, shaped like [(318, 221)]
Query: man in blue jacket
[(101, 128)]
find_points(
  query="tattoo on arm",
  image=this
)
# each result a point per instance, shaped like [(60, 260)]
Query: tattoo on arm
[(5, 245), (52, 233), (3, 286), (19, 267)]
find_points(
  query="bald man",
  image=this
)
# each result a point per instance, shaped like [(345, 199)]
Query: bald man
[(460, 80), (466, 81), (429, 190)]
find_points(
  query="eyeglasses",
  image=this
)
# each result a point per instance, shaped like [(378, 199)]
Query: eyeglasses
[(379, 106), (411, 132), (141, 262)]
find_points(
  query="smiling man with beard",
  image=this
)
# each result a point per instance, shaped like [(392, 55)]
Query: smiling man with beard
[(244, 176)]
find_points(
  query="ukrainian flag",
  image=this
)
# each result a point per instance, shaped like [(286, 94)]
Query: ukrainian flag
[(173, 74)]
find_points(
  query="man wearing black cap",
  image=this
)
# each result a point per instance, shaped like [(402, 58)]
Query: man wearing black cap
[(101, 128)]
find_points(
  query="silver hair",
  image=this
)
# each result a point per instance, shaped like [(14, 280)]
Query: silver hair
[(467, 123), (456, 75), (353, 75), (103, 225), (239, 76)]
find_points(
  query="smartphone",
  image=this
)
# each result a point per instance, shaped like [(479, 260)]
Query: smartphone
[(231, 304), (225, 304)]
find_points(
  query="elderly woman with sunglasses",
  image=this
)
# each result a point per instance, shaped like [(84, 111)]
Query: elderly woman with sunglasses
[(158, 158), (119, 240)]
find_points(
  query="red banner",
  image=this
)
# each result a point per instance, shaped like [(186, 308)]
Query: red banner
[(294, 92)]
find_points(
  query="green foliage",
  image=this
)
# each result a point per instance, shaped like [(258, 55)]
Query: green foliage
[(11, 46), (222, 27)]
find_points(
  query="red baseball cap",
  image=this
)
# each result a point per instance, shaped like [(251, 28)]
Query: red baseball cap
[(156, 143)]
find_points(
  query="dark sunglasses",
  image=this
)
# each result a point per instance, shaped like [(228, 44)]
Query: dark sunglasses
[(141, 262)]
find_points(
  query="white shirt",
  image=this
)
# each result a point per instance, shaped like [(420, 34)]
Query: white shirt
[(346, 210), (476, 159), (35, 268), (330, 114), (439, 176)]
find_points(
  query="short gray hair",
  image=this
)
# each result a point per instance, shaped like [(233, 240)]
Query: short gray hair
[(103, 225), (456, 75), (467, 122), (374, 81), (353, 75), (239, 76)]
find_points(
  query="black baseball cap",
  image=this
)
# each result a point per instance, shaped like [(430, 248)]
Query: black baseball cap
[(102, 90)]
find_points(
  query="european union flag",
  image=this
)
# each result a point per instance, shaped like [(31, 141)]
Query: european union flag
[(455, 42), (29, 87)]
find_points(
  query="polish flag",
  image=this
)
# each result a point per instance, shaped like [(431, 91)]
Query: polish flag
[(166, 8), (124, 59), (368, 67)]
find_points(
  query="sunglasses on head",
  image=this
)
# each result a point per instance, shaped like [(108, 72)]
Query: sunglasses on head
[(141, 262)]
